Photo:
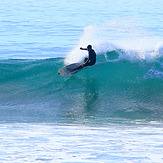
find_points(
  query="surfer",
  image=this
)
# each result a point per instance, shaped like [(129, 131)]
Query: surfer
[(90, 61)]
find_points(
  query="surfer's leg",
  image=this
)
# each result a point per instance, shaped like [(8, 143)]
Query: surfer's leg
[(85, 59), (87, 64), (81, 66)]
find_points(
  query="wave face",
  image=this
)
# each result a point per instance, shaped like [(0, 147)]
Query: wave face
[(31, 90)]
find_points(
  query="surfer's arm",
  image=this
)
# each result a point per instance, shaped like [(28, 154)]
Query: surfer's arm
[(83, 48)]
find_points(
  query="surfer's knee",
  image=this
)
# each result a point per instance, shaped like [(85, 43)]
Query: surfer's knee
[(85, 59)]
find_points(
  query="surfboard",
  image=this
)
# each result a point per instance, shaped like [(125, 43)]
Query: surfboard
[(68, 70)]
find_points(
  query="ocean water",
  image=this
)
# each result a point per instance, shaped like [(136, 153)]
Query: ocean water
[(110, 112)]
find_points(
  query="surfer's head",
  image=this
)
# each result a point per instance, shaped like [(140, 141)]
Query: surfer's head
[(89, 47)]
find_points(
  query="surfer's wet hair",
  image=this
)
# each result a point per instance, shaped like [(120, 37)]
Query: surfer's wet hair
[(89, 47)]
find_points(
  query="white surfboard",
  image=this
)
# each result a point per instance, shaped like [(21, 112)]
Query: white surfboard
[(68, 70)]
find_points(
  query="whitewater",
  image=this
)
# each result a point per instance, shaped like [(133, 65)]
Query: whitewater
[(109, 112)]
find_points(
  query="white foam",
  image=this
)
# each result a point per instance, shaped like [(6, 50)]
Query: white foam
[(78, 143), (124, 34)]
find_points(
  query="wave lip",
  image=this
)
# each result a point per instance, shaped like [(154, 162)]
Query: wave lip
[(123, 34)]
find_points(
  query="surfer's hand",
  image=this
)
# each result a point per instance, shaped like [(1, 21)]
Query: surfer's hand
[(81, 48)]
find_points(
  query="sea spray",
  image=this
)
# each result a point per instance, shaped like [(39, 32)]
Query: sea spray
[(124, 34)]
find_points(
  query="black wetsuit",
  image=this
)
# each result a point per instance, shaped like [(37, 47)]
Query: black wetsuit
[(91, 60), (88, 61)]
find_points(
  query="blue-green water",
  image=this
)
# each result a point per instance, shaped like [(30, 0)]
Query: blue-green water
[(32, 89), (110, 112)]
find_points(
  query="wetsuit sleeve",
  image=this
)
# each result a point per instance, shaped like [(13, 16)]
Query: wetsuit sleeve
[(83, 49)]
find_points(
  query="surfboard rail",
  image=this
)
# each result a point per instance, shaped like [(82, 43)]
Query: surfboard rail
[(68, 70)]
